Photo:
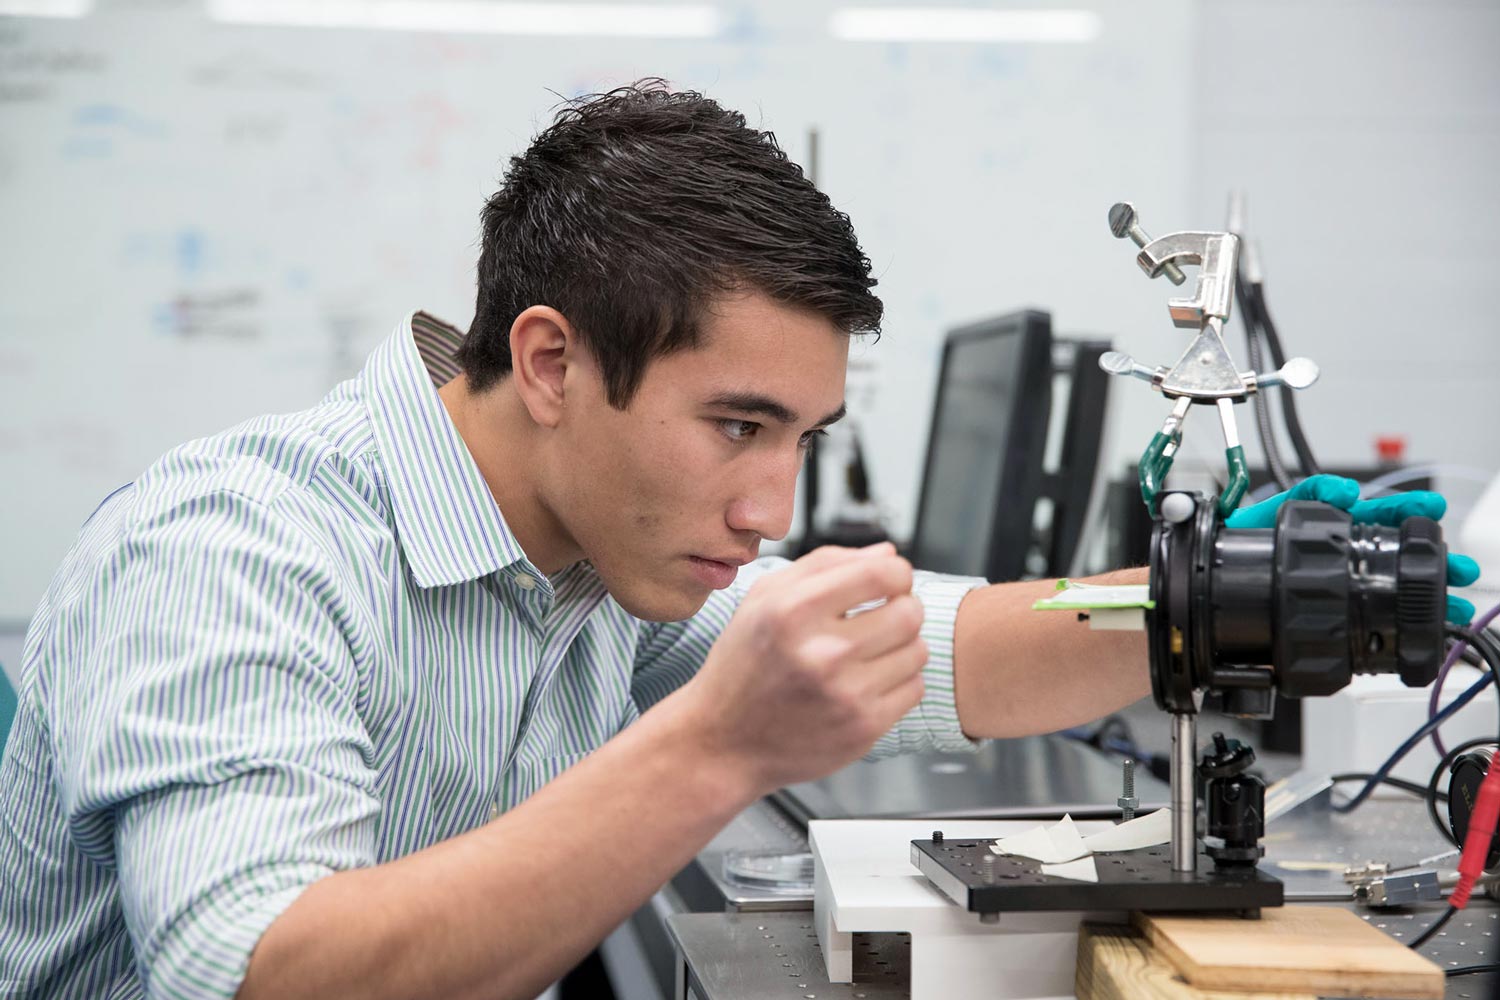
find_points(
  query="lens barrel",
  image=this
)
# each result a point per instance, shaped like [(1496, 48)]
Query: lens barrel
[(1300, 607)]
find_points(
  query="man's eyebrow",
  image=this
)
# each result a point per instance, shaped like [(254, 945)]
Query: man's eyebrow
[(835, 416), (754, 402)]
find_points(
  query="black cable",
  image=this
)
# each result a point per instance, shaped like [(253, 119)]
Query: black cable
[(1436, 926), (1472, 658), (1483, 642), (1413, 740), (1431, 793), (1259, 404), (1287, 396), (1469, 970), (1401, 783)]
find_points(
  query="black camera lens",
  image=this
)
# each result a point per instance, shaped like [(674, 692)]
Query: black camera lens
[(1300, 607)]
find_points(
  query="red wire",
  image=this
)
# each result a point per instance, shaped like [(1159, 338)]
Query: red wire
[(1482, 822)]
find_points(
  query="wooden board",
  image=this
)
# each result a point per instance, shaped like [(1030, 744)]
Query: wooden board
[(1116, 963), (1314, 949)]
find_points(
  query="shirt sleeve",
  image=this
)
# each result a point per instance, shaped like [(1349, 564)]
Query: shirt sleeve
[(668, 655), (208, 745), (933, 724)]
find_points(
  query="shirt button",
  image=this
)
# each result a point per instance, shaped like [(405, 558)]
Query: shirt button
[(524, 582), (494, 810)]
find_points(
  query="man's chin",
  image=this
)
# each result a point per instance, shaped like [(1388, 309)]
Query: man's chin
[(660, 604)]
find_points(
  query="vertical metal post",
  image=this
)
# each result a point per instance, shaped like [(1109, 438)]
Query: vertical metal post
[(1184, 792), (811, 478)]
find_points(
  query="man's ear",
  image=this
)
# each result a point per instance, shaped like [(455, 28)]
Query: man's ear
[(542, 346)]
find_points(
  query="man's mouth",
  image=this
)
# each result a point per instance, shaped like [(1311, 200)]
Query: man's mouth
[(717, 573)]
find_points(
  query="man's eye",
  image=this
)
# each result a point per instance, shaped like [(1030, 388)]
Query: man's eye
[(806, 441), (739, 430)]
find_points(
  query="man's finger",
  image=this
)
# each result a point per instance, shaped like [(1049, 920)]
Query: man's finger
[(825, 556), (892, 706), (880, 630), (883, 674), (848, 584)]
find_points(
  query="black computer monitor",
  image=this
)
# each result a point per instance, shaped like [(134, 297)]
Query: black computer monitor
[(1080, 398), (984, 471)]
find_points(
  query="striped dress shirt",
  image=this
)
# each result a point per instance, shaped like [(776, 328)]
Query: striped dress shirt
[(304, 645)]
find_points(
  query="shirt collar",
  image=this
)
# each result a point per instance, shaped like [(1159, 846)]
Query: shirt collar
[(447, 521)]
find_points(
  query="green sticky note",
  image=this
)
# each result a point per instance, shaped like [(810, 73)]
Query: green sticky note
[(1072, 596)]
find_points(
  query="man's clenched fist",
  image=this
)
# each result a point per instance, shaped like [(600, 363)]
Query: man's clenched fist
[(796, 687)]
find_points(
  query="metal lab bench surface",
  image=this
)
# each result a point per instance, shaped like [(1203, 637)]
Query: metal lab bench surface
[(735, 956), (728, 958)]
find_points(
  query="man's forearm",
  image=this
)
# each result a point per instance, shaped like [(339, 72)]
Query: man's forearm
[(1018, 672), (504, 910)]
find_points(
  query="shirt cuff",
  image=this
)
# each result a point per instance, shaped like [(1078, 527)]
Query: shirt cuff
[(933, 724)]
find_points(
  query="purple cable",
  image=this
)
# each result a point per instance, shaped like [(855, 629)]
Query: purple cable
[(1454, 652)]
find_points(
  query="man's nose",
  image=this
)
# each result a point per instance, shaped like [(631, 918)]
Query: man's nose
[(767, 505)]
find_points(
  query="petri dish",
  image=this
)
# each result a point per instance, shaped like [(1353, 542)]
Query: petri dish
[(770, 871)]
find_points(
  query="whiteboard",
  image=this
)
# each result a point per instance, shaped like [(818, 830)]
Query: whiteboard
[(204, 222)]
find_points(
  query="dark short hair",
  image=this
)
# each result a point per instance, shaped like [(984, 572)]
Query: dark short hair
[(633, 212)]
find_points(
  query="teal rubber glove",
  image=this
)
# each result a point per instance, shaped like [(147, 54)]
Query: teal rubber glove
[(1389, 511)]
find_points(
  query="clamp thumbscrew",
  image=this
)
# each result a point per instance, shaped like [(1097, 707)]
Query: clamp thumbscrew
[(1124, 222), (1120, 363), (1297, 373)]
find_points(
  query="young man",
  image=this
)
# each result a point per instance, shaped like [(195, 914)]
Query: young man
[(420, 692)]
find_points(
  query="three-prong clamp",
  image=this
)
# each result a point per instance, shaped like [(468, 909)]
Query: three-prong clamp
[(1204, 373)]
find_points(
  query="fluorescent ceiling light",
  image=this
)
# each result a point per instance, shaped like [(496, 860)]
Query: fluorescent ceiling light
[(962, 24), (472, 16), (45, 8)]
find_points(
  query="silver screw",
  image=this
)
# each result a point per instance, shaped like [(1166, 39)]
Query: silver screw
[(1123, 222), (1128, 801)]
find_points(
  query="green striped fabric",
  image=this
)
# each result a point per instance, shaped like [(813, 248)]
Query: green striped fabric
[(308, 644)]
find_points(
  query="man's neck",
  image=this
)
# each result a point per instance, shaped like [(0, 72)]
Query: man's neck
[(505, 445)]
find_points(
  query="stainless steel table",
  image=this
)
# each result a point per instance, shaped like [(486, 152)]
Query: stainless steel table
[(775, 956), (742, 956)]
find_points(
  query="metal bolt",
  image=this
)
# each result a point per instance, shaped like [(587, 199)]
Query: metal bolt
[(1122, 222), (1128, 801)]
